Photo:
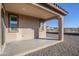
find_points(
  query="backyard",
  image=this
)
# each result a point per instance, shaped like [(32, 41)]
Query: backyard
[(69, 47)]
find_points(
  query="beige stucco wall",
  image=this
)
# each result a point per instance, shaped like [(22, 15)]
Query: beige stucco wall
[(28, 29)]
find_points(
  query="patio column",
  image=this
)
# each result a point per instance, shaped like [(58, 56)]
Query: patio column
[(61, 28), (0, 28)]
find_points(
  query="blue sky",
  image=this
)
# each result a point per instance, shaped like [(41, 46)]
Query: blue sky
[(72, 19)]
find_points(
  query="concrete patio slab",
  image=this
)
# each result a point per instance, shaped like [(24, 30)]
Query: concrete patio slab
[(27, 46)]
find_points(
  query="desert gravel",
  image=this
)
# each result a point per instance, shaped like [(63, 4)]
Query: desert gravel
[(69, 47)]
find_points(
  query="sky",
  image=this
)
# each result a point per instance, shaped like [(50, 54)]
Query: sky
[(72, 19)]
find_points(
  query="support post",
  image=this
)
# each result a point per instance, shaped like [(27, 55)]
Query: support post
[(61, 28)]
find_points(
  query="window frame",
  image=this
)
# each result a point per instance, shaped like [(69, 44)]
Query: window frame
[(9, 25)]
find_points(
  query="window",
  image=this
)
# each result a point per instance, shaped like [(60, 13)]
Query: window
[(13, 23)]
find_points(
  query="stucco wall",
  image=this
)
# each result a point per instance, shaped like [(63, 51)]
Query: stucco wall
[(28, 29)]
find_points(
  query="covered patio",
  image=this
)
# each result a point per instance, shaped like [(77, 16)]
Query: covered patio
[(42, 12)]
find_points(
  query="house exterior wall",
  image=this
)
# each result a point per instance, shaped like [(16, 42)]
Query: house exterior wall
[(28, 29)]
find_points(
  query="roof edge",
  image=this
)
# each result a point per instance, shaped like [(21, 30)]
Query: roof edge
[(55, 7)]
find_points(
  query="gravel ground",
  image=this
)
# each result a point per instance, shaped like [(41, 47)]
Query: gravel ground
[(69, 47)]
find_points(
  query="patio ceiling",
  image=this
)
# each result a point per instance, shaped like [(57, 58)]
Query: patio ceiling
[(28, 9)]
